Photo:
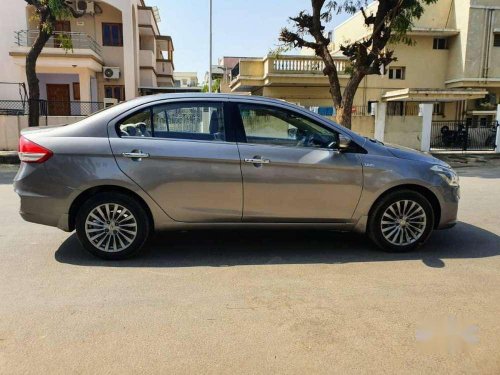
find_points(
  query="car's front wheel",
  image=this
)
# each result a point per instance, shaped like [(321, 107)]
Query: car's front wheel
[(401, 221), (112, 226)]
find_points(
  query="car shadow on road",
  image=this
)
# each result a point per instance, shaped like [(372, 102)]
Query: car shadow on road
[(222, 248)]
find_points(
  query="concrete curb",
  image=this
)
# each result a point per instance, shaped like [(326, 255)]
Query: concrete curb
[(469, 160), (9, 157)]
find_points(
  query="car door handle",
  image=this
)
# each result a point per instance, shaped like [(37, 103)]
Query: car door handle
[(135, 155), (257, 160)]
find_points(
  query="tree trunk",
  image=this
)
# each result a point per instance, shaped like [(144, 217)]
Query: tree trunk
[(31, 77), (344, 111)]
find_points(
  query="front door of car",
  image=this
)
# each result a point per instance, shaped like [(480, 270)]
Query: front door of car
[(292, 171), (179, 154)]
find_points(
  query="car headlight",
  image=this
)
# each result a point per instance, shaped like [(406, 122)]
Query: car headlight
[(448, 174)]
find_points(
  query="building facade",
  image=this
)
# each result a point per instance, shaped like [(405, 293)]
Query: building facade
[(117, 52), (185, 79), (455, 64)]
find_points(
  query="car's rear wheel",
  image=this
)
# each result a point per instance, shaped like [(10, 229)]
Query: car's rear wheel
[(112, 226), (401, 221)]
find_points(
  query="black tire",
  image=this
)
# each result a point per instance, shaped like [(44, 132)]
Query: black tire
[(139, 215), (374, 229)]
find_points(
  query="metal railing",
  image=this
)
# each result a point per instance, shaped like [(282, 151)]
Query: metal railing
[(26, 38), (294, 65), (463, 136), (301, 64), (50, 108), (357, 110)]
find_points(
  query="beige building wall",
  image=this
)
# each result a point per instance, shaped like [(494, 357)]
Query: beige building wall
[(404, 131), (470, 61)]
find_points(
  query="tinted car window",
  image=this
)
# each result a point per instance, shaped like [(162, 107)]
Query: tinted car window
[(137, 125), (199, 121), (203, 121), (273, 126)]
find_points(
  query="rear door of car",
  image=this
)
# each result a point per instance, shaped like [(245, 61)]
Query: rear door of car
[(181, 153), (292, 171)]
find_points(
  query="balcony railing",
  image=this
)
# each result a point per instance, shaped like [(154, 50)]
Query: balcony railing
[(26, 38), (287, 65), (305, 65)]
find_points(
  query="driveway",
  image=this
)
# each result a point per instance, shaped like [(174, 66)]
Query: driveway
[(255, 301)]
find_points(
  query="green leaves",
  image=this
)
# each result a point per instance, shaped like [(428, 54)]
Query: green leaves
[(59, 8)]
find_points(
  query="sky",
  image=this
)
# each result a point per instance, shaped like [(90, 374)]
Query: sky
[(240, 28)]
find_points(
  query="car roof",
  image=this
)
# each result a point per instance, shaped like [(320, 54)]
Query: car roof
[(194, 95)]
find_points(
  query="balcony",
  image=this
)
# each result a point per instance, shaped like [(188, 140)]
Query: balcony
[(164, 67), (148, 24), (147, 59), (84, 52), (307, 70)]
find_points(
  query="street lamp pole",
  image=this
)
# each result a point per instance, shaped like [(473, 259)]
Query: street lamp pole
[(210, 54)]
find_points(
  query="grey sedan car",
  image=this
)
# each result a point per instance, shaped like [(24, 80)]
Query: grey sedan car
[(171, 162)]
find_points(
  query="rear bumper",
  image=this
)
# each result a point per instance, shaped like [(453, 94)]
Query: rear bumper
[(59, 221), (42, 201)]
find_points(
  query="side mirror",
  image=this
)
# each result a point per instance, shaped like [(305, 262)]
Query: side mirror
[(344, 142)]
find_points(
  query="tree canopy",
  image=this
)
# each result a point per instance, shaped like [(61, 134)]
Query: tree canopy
[(386, 25)]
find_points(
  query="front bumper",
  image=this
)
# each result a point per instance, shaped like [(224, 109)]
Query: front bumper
[(450, 197)]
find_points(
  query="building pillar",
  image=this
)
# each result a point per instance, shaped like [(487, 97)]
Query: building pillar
[(497, 148), (129, 52), (380, 118), (85, 91), (85, 94), (426, 113)]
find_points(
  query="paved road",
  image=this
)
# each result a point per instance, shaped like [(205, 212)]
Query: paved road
[(255, 302)]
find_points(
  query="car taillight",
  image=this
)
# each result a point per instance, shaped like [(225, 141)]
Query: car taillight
[(30, 152)]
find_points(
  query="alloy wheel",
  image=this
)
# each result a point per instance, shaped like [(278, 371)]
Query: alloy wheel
[(403, 222), (111, 227)]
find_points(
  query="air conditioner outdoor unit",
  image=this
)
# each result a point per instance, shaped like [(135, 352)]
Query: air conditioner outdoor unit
[(109, 102), (85, 6), (111, 72)]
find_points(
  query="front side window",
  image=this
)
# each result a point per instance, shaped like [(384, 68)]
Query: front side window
[(196, 121), (273, 126)]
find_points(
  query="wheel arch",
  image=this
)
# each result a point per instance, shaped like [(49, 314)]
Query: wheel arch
[(426, 192), (86, 194)]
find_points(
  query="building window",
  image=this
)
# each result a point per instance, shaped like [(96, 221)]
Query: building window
[(115, 92), (496, 40), (112, 34), (397, 73), (440, 43), (76, 90), (438, 109)]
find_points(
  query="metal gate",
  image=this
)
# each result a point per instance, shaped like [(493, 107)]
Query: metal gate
[(461, 136)]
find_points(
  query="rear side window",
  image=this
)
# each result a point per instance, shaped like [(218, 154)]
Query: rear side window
[(203, 121), (197, 121), (137, 125)]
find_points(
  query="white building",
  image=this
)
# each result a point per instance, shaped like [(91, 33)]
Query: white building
[(118, 52)]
